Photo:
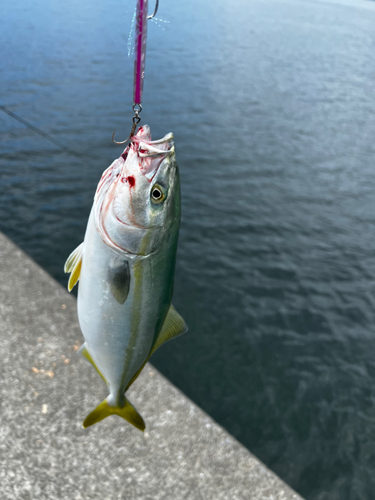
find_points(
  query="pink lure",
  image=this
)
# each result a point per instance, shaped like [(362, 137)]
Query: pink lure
[(140, 49)]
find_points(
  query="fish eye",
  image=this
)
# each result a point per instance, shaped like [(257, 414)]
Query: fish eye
[(157, 194)]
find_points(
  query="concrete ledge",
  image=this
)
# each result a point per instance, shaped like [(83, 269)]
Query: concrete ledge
[(46, 390)]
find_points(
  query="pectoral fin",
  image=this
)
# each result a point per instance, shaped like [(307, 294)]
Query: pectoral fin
[(173, 326), (119, 281), (83, 351), (73, 266)]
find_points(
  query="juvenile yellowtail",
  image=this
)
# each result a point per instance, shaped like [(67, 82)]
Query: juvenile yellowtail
[(125, 267)]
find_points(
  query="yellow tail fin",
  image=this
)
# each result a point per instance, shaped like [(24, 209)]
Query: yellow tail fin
[(128, 412)]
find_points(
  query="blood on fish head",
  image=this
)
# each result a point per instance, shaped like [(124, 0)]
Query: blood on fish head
[(138, 197), (144, 133), (143, 190), (130, 180)]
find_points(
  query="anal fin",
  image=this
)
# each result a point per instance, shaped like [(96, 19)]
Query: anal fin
[(83, 351)]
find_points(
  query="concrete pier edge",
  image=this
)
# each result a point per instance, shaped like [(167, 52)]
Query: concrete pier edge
[(47, 390)]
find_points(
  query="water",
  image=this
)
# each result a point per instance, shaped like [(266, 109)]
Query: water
[(272, 106)]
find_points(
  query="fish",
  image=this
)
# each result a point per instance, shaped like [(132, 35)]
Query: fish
[(125, 268)]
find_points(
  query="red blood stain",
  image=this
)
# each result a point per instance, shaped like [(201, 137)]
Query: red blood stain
[(130, 180), (125, 153)]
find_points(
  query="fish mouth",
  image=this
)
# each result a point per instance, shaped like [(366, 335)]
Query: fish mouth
[(152, 153), (144, 135)]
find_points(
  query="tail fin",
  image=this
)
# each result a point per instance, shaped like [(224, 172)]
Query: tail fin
[(128, 412)]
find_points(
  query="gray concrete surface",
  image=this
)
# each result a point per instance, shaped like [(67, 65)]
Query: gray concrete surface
[(46, 391)]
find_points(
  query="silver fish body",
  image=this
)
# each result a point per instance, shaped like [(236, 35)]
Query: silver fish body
[(126, 267)]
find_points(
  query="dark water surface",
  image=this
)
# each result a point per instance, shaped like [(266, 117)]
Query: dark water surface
[(273, 109)]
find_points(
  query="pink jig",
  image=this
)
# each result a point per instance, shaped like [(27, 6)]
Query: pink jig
[(139, 64), (140, 49)]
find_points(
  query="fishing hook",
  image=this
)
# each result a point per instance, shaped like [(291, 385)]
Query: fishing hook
[(136, 117), (155, 11), (136, 120)]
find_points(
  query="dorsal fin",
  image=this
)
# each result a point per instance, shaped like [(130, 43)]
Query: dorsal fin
[(73, 266), (173, 326)]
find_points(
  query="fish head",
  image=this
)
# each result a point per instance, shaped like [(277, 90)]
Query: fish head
[(142, 200)]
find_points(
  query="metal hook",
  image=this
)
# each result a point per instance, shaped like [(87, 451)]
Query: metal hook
[(136, 120), (130, 136), (155, 11)]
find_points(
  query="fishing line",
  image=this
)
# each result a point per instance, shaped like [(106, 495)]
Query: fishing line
[(40, 132), (140, 21), (157, 20), (130, 37)]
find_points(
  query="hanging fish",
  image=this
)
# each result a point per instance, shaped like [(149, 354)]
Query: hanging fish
[(125, 268)]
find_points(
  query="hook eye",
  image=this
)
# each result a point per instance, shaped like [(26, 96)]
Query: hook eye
[(136, 120)]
